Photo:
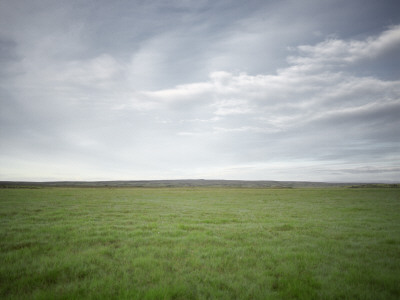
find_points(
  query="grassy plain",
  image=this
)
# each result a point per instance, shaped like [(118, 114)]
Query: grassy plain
[(199, 243)]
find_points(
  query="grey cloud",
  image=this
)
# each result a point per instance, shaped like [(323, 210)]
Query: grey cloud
[(139, 90), (362, 170), (7, 50)]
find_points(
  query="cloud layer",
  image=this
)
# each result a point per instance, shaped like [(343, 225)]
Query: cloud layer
[(195, 100)]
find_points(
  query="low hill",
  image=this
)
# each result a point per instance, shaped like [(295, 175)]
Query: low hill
[(180, 183)]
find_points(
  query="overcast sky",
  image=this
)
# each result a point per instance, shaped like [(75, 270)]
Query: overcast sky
[(254, 90)]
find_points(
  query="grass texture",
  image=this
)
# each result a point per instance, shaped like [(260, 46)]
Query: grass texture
[(200, 243)]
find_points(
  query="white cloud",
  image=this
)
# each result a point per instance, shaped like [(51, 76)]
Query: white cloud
[(181, 92), (296, 114), (339, 52), (148, 107), (231, 107)]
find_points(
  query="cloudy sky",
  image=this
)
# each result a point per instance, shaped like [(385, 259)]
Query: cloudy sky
[(229, 89)]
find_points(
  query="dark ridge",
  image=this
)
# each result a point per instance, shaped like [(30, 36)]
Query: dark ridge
[(187, 183)]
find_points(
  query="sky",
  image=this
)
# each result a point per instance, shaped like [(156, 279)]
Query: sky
[(253, 90)]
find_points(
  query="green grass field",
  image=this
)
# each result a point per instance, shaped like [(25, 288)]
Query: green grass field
[(201, 243)]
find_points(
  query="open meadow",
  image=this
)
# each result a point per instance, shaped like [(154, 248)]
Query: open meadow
[(199, 243)]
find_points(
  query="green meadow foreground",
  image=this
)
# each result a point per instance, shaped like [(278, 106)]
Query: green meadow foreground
[(201, 243)]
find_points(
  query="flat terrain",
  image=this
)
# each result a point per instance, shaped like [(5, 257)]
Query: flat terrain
[(185, 183), (199, 243)]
